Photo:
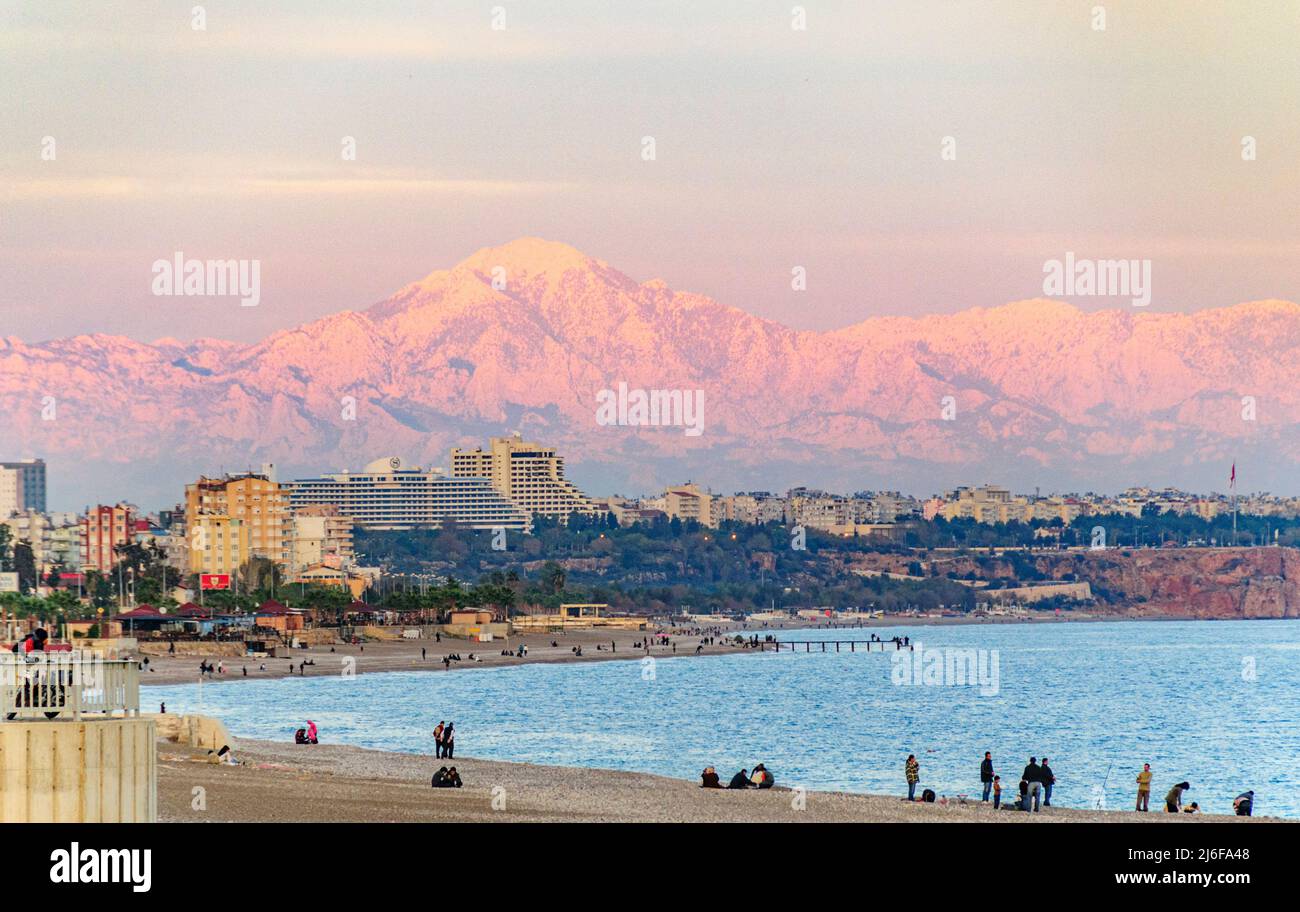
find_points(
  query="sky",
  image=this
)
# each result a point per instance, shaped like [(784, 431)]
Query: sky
[(775, 147)]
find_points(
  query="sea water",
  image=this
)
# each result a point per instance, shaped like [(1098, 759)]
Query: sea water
[(1213, 703)]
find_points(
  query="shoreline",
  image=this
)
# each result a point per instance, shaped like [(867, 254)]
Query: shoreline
[(284, 782), (405, 655)]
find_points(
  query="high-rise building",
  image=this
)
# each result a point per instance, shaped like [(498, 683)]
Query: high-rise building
[(232, 519), (103, 528), (529, 475), (11, 492), (386, 494), (33, 485)]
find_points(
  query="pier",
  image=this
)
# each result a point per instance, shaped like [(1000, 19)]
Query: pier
[(822, 644)]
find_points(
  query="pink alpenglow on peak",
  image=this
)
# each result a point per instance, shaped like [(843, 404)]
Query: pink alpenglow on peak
[(534, 336)]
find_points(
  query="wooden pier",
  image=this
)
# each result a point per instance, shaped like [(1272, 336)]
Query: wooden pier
[(822, 644)]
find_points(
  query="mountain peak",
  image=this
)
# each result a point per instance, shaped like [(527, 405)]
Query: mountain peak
[(530, 256)]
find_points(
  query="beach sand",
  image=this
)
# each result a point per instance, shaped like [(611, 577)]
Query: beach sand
[(404, 655), (327, 783)]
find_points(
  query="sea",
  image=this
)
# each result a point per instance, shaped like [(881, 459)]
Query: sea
[(1213, 703)]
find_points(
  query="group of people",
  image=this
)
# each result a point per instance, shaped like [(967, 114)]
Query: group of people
[(446, 777), (306, 735), (1037, 781), (444, 740), (760, 777)]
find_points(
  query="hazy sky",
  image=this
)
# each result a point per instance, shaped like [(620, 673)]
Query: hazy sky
[(775, 147)]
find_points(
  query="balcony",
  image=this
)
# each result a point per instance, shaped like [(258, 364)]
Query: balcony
[(67, 685)]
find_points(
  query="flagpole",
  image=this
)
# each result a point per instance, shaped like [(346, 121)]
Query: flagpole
[(1233, 483)]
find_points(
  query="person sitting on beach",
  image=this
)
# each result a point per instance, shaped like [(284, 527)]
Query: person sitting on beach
[(453, 778), (740, 780), (1024, 795), (761, 778), (709, 779), (1194, 808), (440, 778), (224, 756), (1174, 800)]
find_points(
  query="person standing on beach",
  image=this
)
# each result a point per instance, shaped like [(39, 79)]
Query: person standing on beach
[(913, 772), (1049, 780), (1033, 775), (997, 792), (1144, 788), (437, 741), (986, 774), (449, 741)]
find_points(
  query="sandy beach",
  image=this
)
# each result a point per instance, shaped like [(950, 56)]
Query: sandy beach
[(282, 782), (597, 645)]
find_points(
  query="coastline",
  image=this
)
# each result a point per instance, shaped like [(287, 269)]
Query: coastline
[(404, 655), (284, 782)]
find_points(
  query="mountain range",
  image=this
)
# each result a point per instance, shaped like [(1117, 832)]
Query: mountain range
[(522, 337)]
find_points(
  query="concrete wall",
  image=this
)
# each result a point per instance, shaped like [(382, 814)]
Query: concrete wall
[(196, 731), (101, 771)]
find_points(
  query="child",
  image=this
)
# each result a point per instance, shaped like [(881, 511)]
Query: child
[(997, 792)]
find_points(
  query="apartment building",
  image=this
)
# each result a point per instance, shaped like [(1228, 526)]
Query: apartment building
[(685, 502), (321, 535), (103, 529), (232, 519)]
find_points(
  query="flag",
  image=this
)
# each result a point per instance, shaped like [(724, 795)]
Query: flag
[(1232, 479)]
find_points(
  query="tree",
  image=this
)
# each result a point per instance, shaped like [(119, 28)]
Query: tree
[(553, 577), (25, 565)]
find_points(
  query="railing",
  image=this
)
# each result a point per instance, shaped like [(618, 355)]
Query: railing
[(53, 684)]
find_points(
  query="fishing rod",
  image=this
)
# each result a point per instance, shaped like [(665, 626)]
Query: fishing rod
[(1101, 798)]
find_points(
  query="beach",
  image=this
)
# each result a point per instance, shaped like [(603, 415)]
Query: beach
[(325, 783), (404, 655)]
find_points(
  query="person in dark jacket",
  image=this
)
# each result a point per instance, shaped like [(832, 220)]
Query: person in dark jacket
[(740, 780), (1174, 800), (1048, 779), (986, 774), (709, 779), (1033, 775), (761, 778), (1244, 803)]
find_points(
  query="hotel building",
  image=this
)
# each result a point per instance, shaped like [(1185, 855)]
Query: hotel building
[(386, 494), (529, 475)]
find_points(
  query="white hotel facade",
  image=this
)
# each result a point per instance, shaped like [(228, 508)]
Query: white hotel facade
[(387, 494)]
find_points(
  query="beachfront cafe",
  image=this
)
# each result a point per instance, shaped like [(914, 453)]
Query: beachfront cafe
[(279, 617), (145, 619)]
